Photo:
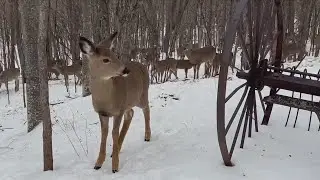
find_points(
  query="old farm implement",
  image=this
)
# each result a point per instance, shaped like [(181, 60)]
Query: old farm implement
[(262, 33)]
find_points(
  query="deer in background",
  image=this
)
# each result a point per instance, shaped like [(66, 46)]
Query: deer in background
[(116, 88), (181, 50), (171, 67), (291, 49), (212, 66), (158, 69), (66, 71), (149, 56), (10, 75), (51, 71), (185, 65), (198, 56), (162, 70)]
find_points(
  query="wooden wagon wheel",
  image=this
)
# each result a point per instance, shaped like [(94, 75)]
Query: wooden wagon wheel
[(258, 13)]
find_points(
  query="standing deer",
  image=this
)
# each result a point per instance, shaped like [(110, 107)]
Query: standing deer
[(53, 71), (66, 71), (198, 56), (116, 88), (213, 65), (158, 71), (171, 67), (185, 65), (162, 70), (10, 75), (146, 55), (180, 52), (291, 49)]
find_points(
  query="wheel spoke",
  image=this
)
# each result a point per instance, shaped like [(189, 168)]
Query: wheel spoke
[(238, 129), (262, 105), (237, 109), (255, 114), (250, 109), (235, 91), (248, 114), (244, 130)]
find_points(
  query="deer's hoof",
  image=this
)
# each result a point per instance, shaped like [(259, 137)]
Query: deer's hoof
[(97, 167), (115, 170), (147, 140)]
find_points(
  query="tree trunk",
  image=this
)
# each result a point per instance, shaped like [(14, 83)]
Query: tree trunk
[(43, 54), (87, 32), (30, 23)]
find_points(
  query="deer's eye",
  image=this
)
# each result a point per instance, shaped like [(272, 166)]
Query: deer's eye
[(106, 60)]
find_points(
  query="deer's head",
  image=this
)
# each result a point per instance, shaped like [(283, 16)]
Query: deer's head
[(103, 62)]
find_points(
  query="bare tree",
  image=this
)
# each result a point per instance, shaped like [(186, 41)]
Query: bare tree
[(87, 32), (43, 55)]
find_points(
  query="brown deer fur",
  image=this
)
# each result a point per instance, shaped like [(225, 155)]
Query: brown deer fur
[(9, 75), (116, 88), (185, 65)]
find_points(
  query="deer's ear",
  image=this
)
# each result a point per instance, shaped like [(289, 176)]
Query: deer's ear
[(86, 46), (109, 42), (112, 38)]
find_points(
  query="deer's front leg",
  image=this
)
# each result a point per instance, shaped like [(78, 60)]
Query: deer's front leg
[(66, 82), (115, 147), (104, 121), (146, 113)]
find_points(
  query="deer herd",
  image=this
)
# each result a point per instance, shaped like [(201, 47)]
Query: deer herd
[(117, 86), (160, 70)]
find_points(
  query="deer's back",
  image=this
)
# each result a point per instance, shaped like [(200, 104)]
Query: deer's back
[(9, 74), (137, 84), (184, 64), (160, 65), (171, 63), (70, 70), (200, 55)]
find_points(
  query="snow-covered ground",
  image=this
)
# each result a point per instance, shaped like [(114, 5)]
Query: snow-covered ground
[(183, 145)]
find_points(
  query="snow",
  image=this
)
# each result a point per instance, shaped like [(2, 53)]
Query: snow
[(183, 144)]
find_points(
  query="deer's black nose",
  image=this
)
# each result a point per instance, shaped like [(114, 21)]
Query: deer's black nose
[(126, 71)]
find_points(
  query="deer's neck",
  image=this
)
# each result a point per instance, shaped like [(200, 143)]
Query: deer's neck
[(100, 86), (103, 95)]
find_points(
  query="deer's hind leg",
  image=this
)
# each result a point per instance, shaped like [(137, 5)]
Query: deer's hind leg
[(194, 71), (115, 146), (104, 121), (126, 124), (66, 82), (175, 72), (79, 79), (186, 72), (147, 131)]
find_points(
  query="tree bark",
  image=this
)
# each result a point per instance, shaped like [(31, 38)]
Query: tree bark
[(87, 32), (30, 23), (43, 54)]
